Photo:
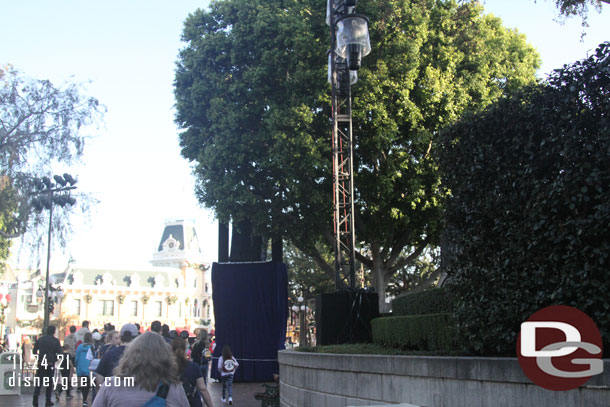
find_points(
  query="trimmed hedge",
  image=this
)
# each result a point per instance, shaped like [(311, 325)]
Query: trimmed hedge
[(432, 301), (430, 332)]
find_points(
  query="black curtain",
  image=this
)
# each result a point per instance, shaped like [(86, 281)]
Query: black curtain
[(251, 310)]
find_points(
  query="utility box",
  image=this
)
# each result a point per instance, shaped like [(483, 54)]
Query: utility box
[(10, 373)]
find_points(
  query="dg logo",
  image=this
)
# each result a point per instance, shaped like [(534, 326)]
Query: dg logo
[(560, 348)]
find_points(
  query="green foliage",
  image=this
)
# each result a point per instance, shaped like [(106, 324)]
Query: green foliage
[(254, 105), (432, 332), (530, 206), (431, 301), (422, 272), (578, 7), (305, 278)]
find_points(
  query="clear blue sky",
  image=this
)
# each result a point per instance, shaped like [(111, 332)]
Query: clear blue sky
[(125, 53)]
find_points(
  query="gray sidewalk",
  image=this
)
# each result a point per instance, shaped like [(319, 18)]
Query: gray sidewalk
[(243, 396)]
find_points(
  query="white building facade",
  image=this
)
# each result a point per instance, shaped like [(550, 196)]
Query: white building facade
[(176, 290)]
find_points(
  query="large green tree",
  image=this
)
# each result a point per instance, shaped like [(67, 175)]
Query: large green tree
[(41, 125), (253, 102)]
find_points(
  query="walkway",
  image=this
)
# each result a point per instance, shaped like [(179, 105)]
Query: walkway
[(243, 396)]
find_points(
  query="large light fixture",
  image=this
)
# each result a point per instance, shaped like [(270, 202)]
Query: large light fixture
[(353, 40)]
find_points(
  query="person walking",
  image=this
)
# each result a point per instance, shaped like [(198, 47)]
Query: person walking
[(66, 367), (200, 353), (26, 351), (110, 358), (190, 376), (46, 347), (150, 363), (82, 360), (80, 334), (70, 340), (113, 339), (227, 365)]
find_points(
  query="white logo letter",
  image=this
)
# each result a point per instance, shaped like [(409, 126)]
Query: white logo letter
[(528, 338)]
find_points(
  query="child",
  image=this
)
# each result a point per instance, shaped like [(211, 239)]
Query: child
[(227, 366)]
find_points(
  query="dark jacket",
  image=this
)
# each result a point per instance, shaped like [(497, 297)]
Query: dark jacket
[(47, 347)]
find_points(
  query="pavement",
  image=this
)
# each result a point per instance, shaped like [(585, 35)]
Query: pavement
[(243, 396)]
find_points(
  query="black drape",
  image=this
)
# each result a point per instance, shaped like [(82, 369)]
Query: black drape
[(250, 309)]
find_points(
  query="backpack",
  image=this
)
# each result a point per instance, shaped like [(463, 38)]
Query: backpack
[(206, 355), (191, 391), (228, 365), (158, 400)]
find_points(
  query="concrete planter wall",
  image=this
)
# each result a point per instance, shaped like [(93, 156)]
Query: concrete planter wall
[(328, 380)]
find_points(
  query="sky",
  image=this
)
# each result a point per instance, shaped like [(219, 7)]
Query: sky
[(124, 54)]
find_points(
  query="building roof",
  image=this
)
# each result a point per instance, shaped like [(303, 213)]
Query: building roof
[(184, 233)]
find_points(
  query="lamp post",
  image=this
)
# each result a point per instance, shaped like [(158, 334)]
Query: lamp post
[(48, 194), (349, 38), (301, 311)]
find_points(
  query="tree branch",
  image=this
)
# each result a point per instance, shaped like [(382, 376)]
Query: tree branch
[(406, 260), (9, 236), (397, 249), (364, 260)]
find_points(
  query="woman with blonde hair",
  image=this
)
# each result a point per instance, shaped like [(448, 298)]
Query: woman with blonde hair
[(190, 375), (149, 362)]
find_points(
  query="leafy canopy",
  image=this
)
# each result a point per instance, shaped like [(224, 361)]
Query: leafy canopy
[(253, 102), (40, 125)]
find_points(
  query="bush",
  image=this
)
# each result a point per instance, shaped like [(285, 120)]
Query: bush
[(432, 301), (430, 332), (529, 212)]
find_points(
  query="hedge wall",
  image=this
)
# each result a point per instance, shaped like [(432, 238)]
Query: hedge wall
[(530, 205), (418, 332), (431, 301)]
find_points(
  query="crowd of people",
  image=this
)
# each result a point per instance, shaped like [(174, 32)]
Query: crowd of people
[(112, 368)]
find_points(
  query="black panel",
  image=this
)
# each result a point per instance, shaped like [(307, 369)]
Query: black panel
[(345, 317)]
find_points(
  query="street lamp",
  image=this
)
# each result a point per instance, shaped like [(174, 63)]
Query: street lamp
[(349, 39), (47, 195), (353, 41), (301, 311)]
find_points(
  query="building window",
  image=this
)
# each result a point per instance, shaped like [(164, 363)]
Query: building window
[(107, 308), (134, 308), (180, 309), (26, 300), (206, 287), (159, 308), (196, 282), (77, 306), (208, 312)]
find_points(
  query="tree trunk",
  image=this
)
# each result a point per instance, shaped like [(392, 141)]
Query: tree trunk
[(223, 242), (277, 248), (380, 280), (244, 245)]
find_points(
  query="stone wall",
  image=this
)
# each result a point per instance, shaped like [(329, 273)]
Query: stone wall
[(329, 380)]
